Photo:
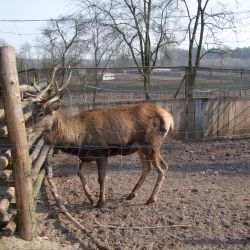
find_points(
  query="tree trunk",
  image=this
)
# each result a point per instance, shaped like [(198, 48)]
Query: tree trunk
[(147, 82), (97, 81), (191, 77)]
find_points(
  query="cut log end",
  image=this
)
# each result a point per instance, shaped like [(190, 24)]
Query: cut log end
[(10, 228)]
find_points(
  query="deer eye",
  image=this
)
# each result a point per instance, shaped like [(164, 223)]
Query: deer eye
[(40, 114)]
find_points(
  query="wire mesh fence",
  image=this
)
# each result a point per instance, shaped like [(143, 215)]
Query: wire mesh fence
[(204, 201), (219, 107), (126, 83)]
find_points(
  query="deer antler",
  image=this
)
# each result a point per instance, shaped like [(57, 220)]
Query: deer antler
[(44, 91), (65, 84), (41, 96), (36, 82)]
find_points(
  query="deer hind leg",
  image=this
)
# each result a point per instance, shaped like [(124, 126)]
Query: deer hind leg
[(84, 183), (102, 170), (146, 167), (164, 165), (161, 168)]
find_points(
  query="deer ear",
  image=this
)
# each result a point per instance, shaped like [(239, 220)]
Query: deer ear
[(55, 105)]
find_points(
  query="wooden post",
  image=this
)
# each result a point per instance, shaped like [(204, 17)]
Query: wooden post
[(17, 134)]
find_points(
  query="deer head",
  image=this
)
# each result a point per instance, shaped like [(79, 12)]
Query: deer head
[(45, 103)]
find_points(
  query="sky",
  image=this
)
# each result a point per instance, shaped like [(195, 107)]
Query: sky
[(17, 33), (28, 9)]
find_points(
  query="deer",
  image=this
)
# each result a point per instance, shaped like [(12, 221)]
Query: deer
[(97, 134)]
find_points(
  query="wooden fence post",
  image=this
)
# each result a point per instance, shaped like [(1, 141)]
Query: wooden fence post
[(17, 133)]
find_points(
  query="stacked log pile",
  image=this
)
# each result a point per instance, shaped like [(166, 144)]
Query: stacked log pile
[(40, 156)]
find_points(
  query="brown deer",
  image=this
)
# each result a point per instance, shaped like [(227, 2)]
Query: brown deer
[(97, 134)]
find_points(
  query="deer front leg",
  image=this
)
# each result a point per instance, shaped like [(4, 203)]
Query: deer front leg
[(161, 168), (146, 167), (84, 183), (102, 170)]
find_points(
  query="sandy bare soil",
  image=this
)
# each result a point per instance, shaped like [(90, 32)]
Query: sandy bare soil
[(206, 192), (204, 202)]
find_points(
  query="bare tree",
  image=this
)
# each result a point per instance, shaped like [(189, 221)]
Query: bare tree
[(62, 40), (103, 45), (24, 56), (143, 25), (203, 32), (49, 45)]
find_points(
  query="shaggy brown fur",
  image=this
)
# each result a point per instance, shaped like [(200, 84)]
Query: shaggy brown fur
[(100, 133)]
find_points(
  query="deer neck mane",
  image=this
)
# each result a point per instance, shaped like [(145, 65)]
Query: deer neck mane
[(66, 130)]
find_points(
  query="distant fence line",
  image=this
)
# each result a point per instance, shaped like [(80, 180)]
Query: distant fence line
[(220, 107), (167, 82), (233, 70)]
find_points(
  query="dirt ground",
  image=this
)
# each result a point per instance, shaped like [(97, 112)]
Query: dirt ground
[(204, 202)]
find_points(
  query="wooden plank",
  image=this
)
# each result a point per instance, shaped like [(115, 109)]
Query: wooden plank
[(178, 111), (213, 114), (239, 117), (33, 137), (37, 150), (226, 111), (40, 177), (231, 118), (204, 113), (245, 129), (38, 182), (198, 118), (220, 117), (191, 119), (4, 130), (39, 162)]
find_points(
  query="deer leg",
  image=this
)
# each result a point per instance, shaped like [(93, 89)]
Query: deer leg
[(160, 166), (164, 165), (102, 170), (146, 167), (84, 183)]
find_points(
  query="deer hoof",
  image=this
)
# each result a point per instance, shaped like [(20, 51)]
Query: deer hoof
[(131, 196), (100, 204), (150, 201)]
